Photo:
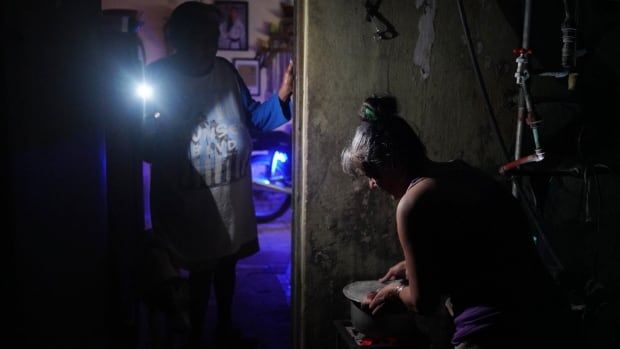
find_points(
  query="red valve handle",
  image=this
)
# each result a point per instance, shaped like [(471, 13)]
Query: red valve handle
[(521, 51)]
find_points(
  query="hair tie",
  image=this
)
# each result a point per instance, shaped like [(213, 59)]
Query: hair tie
[(368, 113)]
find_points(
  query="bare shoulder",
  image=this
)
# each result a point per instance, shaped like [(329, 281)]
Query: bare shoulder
[(412, 214), (416, 196)]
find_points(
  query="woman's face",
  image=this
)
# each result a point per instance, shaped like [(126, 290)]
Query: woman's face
[(201, 42), (372, 183), (382, 179), (198, 39)]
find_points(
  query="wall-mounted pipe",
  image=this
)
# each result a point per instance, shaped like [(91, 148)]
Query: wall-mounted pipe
[(528, 206)]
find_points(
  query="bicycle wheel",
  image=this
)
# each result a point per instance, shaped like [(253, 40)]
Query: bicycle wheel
[(271, 185), (270, 204)]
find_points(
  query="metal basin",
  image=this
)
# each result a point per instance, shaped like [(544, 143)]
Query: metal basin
[(392, 320)]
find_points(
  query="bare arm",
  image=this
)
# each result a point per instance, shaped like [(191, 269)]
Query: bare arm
[(288, 82), (412, 220), (397, 271)]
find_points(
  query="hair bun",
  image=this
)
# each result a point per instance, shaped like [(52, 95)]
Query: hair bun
[(377, 108)]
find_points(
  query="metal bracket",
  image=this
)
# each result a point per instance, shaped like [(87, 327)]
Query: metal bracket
[(384, 30)]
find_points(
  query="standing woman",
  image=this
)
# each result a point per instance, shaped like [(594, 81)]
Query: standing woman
[(462, 235), (196, 137)]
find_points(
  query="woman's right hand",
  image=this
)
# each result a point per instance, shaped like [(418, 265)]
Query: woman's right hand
[(398, 271), (288, 83)]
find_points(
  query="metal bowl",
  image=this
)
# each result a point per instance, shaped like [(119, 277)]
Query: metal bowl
[(394, 319)]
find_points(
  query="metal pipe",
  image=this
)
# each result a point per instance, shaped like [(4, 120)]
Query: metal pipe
[(521, 161), (518, 138), (526, 24), (533, 122), (525, 42)]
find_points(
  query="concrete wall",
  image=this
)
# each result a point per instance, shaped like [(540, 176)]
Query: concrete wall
[(343, 231)]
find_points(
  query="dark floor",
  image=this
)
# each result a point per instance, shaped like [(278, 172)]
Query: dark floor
[(262, 299), (261, 307)]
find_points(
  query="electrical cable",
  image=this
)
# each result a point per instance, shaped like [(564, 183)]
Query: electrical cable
[(587, 183), (586, 205), (527, 204), (481, 83), (598, 217)]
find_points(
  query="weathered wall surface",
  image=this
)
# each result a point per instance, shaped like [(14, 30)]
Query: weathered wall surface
[(344, 231)]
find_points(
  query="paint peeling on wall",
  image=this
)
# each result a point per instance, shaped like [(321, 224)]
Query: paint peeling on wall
[(426, 36)]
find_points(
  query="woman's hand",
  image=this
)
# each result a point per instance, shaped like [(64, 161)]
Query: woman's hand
[(398, 271), (288, 82), (376, 300)]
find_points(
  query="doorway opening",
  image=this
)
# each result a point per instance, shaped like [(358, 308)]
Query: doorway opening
[(262, 299)]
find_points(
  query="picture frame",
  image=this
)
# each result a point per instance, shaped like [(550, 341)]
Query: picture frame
[(233, 25), (249, 69)]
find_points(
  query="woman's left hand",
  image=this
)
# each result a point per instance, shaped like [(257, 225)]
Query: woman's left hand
[(288, 81), (376, 300)]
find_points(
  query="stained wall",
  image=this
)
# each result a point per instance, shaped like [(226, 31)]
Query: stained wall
[(344, 232)]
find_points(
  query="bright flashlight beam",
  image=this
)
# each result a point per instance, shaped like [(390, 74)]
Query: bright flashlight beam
[(144, 91)]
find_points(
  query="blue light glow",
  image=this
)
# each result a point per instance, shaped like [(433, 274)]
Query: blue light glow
[(278, 157)]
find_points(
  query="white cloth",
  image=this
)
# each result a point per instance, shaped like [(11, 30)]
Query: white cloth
[(201, 190)]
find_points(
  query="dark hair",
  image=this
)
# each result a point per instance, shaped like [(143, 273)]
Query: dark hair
[(382, 139), (378, 108), (187, 17), (229, 19)]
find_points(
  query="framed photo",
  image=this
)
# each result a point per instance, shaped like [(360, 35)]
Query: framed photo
[(249, 69), (233, 25)]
